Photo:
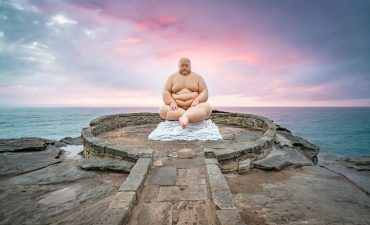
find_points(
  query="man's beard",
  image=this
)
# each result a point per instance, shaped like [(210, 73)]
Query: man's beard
[(185, 72)]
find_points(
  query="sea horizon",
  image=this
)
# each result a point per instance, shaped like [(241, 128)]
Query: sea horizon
[(337, 129), (133, 106)]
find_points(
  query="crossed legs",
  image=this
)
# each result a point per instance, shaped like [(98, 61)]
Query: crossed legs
[(166, 113), (197, 113)]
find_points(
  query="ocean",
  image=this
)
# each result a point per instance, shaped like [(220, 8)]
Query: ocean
[(341, 130)]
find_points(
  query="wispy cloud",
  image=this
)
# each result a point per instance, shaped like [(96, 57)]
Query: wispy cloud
[(121, 52)]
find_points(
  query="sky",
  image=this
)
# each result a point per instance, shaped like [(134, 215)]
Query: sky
[(120, 53)]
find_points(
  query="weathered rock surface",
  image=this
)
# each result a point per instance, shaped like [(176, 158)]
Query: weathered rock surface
[(282, 157), (26, 144), (220, 191), (287, 139), (105, 164), (307, 195), (344, 167), (244, 166), (58, 194), (22, 144), (163, 176), (176, 191), (229, 217), (72, 140), (13, 163), (358, 163), (289, 150)]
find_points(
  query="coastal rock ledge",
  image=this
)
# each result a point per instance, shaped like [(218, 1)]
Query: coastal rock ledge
[(245, 136), (258, 174), (26, 154)]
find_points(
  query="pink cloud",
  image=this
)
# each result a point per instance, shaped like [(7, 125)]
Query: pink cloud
[(140, 43), (163, 22)]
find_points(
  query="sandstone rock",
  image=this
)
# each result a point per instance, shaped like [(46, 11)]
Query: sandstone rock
[(163, 176), (221, 195), (27, 144), (308, 149), (244, 166), (13, 163), (229, 217), (211, 161), (105, 164), (218, 111), (209, 153), (155, 213), (119, 209), (72, 140), (182, 193), (280, 128), (310, 195), (183, 213), (22, 144), (282, 157), (229, 166), (193, 176), (358, 163), (359, 178), (135, 180), (228, 135), (184, 163), (60, 173), (58, 194), (55, 143), (158, 163), (282, 140), (354, 169)]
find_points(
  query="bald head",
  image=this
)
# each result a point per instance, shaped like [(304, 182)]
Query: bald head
[(184, 66), (184, 60)]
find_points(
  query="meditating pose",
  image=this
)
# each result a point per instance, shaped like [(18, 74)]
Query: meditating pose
[(185, 94)]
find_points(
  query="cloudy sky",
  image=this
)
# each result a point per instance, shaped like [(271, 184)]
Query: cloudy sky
[(250, 53)]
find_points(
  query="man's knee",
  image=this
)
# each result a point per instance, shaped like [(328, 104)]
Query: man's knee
[(163, 111), (174, 115), (206, 107), (209, 109)]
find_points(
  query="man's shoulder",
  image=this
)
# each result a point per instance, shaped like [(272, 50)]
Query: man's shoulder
[(173, 75), (197, 75)]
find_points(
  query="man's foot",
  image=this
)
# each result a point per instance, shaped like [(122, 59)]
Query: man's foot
[(183, 121)]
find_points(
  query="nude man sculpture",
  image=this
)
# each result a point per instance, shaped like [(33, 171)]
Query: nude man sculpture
[(185, 96)]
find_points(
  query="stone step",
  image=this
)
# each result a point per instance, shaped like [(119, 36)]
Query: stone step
[(175, 193)]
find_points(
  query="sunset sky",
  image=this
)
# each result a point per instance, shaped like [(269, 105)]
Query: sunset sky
[(120, 53)]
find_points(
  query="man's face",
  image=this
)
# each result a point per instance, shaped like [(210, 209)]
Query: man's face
[(184, 68)]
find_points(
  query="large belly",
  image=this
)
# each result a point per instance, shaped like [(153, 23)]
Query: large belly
[(184, 98)]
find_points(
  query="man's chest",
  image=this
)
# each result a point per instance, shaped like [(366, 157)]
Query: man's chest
[(180, 83)]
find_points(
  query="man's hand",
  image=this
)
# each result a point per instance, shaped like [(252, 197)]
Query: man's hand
[(173, 106), (195, 102)]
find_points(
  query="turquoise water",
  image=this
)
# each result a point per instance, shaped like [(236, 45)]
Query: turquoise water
[(341, 130)]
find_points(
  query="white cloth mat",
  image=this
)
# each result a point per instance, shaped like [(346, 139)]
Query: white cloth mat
[(172, 130)]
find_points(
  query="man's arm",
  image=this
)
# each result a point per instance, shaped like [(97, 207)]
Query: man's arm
[(203, 90), (167, 90)]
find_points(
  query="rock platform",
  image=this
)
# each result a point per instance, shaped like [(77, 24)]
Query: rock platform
[(183, 181), (259, 173)]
